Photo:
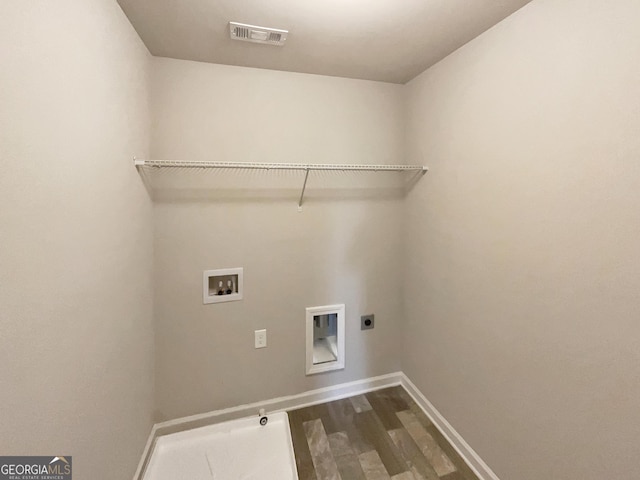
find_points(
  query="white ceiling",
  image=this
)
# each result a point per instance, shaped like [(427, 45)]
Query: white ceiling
[(384, 40)]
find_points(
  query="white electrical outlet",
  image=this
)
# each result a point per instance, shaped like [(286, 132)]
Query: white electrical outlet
[(261, 338)]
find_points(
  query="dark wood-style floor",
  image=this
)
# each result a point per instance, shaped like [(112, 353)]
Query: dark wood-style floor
[(380, 435)]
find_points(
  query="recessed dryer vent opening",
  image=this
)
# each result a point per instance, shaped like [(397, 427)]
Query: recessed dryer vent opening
[(325, 338)]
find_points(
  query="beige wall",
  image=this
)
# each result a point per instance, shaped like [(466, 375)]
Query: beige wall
[(344, 247), (522, 262), (76, 373)]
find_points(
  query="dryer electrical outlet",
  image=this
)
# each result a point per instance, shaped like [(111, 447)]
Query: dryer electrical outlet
[(367, 322)]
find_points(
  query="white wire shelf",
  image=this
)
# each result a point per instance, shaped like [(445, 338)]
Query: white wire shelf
[(306, 167), (278, 166)]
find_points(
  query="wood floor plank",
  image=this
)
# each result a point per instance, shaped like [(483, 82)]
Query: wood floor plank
[(372, 466), (412, 455), (455, 476), (323, 461), (467, 473), (320, 411), (440, 462), (360, 403), (343, 414), (394, 397), (336, 414), (404, 476), (345, 456), (435, 433), (414, 408), (304, 464), (374, 432), (307, 413), (386, 404)]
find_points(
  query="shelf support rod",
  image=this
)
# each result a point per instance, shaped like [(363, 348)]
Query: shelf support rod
[(304, 186)]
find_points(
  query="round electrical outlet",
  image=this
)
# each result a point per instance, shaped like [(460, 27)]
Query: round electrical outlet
[(366, 322)]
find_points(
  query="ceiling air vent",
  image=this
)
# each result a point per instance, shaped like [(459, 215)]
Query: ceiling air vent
[(251, 33)]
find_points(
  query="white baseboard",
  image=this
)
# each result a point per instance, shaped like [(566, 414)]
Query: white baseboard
[(467, 453), (313, 397)]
